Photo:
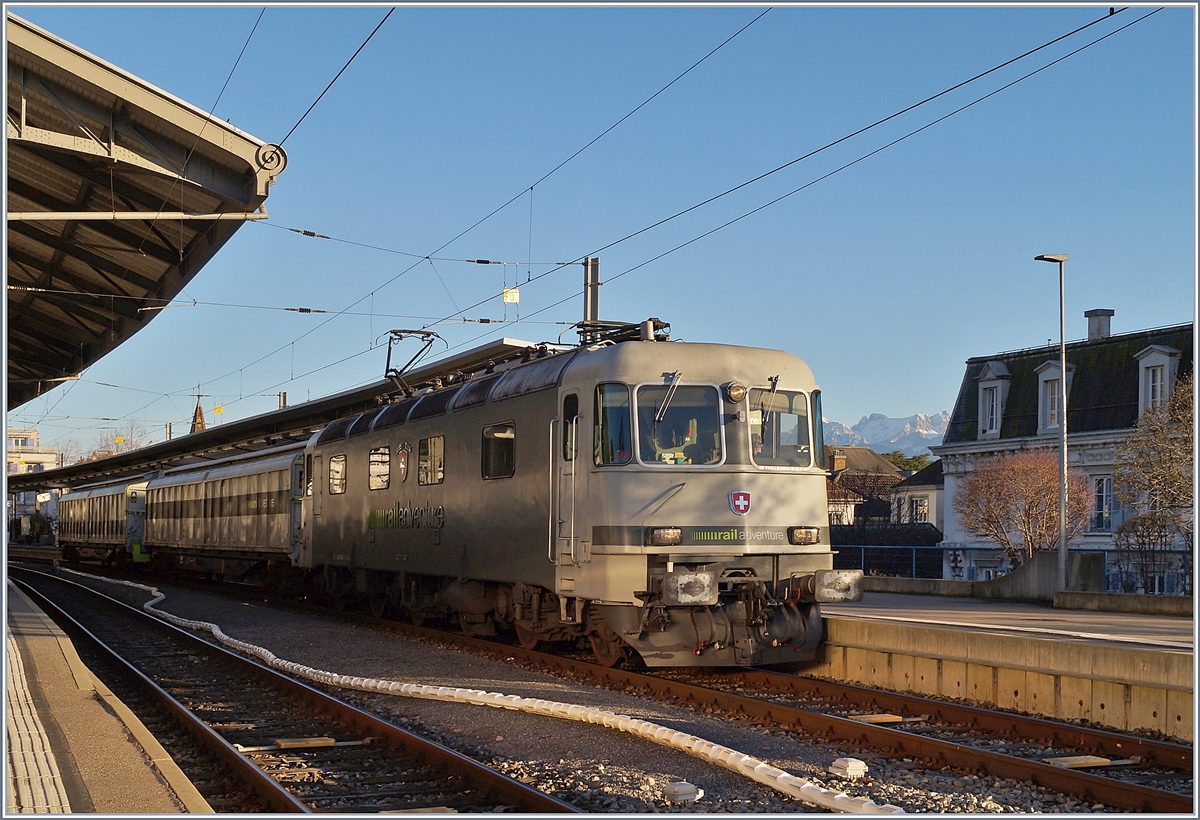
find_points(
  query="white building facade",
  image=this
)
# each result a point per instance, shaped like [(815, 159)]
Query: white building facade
[(1008, 403)]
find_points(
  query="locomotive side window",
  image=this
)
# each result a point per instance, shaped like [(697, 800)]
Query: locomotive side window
[(680, 427), (779, 428), (379, 468), (431, 460), (570, 416), (499, 451), (613, 442), (307, 478), (337, 474)]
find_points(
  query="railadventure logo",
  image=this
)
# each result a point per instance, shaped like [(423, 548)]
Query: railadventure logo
[(408, 517)]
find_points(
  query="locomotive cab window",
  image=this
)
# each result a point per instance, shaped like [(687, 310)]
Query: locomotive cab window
[(431, 460), (499, 451), (613, 441), (337, 474), (379, 467), (680, 426), (779, 428)]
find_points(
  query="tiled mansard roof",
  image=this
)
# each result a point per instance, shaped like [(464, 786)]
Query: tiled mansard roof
[(1103, 392)]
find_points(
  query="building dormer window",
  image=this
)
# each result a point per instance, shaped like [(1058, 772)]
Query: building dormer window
[(1050, 400), (993, 381), (991, 410), (1154, 386), (1050, 411), (1156, 370)]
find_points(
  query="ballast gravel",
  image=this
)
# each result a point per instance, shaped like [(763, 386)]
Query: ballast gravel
[(588, 766)]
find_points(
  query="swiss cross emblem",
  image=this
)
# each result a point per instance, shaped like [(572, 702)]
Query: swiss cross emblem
[(739, 502)]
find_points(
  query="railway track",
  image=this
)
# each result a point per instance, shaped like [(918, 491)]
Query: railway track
[(292, 747), (960, 737), (939, 734)]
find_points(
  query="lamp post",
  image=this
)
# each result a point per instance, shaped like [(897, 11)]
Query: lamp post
[(1061, 258)]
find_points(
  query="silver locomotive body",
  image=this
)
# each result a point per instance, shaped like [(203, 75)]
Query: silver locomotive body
[(664, 498)]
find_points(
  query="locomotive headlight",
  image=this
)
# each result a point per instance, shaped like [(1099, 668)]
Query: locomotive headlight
[(735, 392), (803, 536), (665, 536)]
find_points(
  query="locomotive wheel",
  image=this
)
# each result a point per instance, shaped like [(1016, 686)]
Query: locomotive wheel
[(608, 652), (527, 639), (416, 616)]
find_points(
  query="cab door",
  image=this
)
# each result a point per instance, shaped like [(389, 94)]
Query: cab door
[(572, 542)]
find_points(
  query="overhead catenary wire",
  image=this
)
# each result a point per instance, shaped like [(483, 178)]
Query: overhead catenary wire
[(859, 131), (418, 260), (560, 266), (837, 170), (335, 78), (463, 233)]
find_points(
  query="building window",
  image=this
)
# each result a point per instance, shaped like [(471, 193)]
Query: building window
[(1155, 393), (991, 409), (337, 475), (379, 467), (918, 510), (1102, 505), (499, 451), (431, 461), (1051, 402)]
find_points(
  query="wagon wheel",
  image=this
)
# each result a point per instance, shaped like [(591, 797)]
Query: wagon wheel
[(416, 616), (378, 603), (526, 638)]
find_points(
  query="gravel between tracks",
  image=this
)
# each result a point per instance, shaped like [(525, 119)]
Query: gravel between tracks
[(591, 767)]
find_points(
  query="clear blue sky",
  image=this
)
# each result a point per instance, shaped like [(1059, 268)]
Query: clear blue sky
[(884, 277)]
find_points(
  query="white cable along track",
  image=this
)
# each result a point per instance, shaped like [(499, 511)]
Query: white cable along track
[(743, 764)]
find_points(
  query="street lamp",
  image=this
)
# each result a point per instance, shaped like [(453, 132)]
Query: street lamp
[(1061, 258)]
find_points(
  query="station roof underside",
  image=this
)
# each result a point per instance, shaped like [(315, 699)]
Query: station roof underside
[(118, 194)]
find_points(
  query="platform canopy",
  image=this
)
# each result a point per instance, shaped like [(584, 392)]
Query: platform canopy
[(118, 194)]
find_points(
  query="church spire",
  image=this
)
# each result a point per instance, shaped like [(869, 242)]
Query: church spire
[(197, 417)]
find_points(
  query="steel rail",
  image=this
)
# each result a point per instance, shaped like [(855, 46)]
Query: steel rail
[(1025, 727), (500, 786), (256, 780), (1115, 793), (938, 753)]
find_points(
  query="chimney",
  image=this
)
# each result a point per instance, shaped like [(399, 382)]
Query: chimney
[(837, 461), (1098, 327)]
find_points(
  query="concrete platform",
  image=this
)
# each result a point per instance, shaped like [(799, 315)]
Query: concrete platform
[(72, 745), (1016, 617), (1116, 670)]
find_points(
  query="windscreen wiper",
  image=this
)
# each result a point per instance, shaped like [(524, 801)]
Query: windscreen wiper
[(769, 400), (661, 413)]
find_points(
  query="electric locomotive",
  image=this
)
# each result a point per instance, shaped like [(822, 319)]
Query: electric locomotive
[(656, 497)]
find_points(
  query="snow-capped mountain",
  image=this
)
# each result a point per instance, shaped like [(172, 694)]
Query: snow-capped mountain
[(912, 435)]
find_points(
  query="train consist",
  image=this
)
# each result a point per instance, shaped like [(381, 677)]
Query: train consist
[(655, 497)]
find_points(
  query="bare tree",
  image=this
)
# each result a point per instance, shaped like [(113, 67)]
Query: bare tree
[(1141, 546), (130, 435), (1013, 501), (1153, 471)]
